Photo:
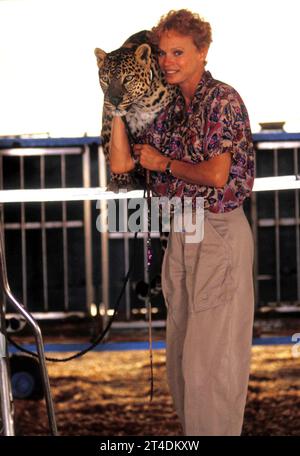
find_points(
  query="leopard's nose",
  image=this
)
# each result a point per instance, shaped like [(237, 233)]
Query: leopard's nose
[(115, 100)]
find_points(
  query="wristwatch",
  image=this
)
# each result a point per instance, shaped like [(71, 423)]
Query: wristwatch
[(168, 170)]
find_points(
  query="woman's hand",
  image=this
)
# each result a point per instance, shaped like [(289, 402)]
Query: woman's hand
[(213, 172), (150, 158)]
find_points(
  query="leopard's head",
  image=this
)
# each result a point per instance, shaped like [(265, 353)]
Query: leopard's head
[(125, 76)]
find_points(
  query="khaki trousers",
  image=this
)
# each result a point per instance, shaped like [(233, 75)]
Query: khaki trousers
[(208, 290)]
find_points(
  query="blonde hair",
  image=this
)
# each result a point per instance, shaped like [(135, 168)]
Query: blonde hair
[(183, 22)]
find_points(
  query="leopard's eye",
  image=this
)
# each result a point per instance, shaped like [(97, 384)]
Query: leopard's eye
[(128, 78), (104, 78)]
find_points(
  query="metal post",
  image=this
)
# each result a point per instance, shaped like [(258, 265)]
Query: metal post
[(104, 238), (126, 258), (297, 224), (65, 235), (23, 237), (6, 396), (44, 237), (87, 215), (5, 385), (277, 234), (254, 227), (3, 297)]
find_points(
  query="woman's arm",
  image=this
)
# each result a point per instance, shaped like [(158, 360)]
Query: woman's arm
[(213, 172), (119, 151)]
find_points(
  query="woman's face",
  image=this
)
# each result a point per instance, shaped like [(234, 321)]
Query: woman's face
[(180, 60)]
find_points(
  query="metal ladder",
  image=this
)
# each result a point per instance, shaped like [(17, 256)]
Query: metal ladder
[(7, 413)]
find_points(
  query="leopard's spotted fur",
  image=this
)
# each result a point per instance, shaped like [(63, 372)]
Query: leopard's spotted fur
[(133, 87)]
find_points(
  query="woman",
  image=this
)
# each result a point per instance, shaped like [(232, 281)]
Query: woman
[(201, 146)]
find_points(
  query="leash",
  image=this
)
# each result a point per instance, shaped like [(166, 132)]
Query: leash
[(102, 334), (149, 262), (132, 141)]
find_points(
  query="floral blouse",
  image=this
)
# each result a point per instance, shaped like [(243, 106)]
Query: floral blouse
[(215, 122)]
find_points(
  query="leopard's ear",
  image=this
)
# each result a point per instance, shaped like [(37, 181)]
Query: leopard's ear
[(100, 56), (143, 54)]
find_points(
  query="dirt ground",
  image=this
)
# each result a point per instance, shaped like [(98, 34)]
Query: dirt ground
[(107, 394)]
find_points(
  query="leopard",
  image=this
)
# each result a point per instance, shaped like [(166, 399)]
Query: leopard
[(135, 89)]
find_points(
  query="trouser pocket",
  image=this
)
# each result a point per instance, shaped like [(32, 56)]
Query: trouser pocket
[(212, 282)]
